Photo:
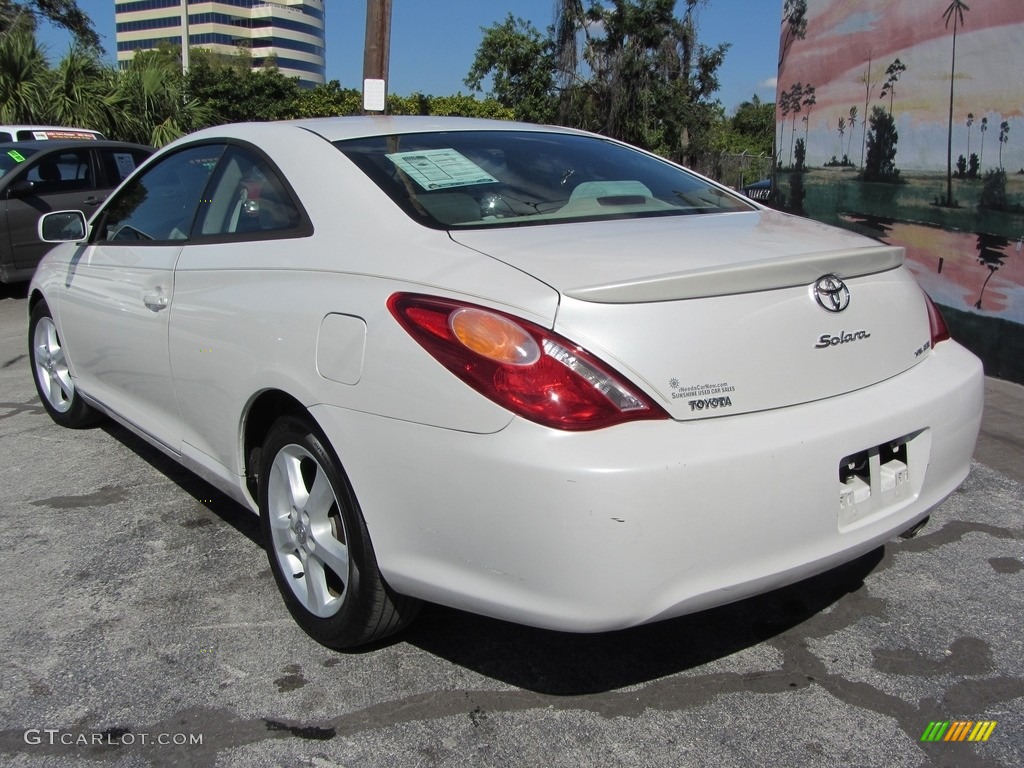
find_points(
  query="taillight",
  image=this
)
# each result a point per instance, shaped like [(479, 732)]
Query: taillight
[(936, 324), (523, 367)]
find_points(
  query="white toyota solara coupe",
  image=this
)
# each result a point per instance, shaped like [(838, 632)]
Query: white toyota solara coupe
[(519, 370)]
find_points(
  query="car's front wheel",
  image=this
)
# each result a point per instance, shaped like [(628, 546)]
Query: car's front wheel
[(52, 374), (318, 545)]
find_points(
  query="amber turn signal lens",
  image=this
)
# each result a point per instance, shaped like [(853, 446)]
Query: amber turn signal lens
[(494, 337)]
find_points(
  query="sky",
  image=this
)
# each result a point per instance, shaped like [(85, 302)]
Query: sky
[(433, 42)]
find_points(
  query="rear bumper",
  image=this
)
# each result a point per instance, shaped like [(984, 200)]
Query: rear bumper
[(608, 529)]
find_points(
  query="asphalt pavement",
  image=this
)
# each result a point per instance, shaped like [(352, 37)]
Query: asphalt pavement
[(142, 627)]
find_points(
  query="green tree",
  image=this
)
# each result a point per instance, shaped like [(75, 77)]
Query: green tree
[(154, 105), (24, 77), (326, 100), (880, 164), (83, 92), (954, 12), (752, 127), (659, 79), (234, 92), (630, 69), (62, 13), (520, 62)]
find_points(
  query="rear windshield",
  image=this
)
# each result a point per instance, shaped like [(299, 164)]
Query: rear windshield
[(478, 179)]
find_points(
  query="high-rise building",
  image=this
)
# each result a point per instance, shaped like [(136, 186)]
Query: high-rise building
[(289, 32)]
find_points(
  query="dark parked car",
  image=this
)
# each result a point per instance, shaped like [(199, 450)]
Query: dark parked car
[(759, 190), (41, 176)]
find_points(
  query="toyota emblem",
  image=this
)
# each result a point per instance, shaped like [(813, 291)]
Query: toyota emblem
[(831, 293)]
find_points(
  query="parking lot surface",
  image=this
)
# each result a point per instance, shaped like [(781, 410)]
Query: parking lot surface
[(141, 627)]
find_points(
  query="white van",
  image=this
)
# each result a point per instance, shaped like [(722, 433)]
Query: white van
[(9, 133)]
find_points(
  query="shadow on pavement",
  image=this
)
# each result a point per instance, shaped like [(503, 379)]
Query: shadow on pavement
[(565, 664), (562, 663)]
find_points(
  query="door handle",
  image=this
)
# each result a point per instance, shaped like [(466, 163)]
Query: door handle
[(156, 300)]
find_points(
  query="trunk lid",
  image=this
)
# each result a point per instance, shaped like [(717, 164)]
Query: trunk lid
[(718, 314)]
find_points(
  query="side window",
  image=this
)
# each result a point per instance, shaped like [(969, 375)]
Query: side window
[(67, 171), (246, 196), (119, 163), (161, 203)]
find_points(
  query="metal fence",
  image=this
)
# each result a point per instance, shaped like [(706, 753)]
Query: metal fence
[(736, 171)]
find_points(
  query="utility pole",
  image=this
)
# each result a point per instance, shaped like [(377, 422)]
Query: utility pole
[(376, 53), (184, 37)]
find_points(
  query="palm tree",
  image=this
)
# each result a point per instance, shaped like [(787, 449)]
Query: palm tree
[(970, 122), (1004, 137), (955, 11), (23, 77), (157, 108), (841, 127), (82, 92)]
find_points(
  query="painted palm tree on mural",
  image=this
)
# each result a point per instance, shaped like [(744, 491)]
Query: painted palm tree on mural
[(970, 122), (795, 96), (808, 101), (869, 86), (992, 253), (853, 121), (954, 12), (1004, 137), (893, 71), (984, 130)]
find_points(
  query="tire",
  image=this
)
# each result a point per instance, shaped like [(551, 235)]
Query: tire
[(50, 372), (317, 543)]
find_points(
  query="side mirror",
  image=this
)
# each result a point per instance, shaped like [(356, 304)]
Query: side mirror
[(20, 188), (62, 227)]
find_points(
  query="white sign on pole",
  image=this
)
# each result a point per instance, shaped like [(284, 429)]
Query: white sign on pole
[(373, 95)]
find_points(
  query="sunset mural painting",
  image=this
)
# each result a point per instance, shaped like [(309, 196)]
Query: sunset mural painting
[(904, 121)]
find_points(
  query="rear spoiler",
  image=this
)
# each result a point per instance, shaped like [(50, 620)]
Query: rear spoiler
[(745, 277)]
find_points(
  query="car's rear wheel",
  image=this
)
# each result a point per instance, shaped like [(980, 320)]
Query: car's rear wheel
[(52, 375), (318, 545)]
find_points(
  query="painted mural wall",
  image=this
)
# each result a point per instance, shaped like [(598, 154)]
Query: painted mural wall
[(905, 120)]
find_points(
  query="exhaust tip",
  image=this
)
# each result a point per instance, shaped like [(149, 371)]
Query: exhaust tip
[(915, 529)]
